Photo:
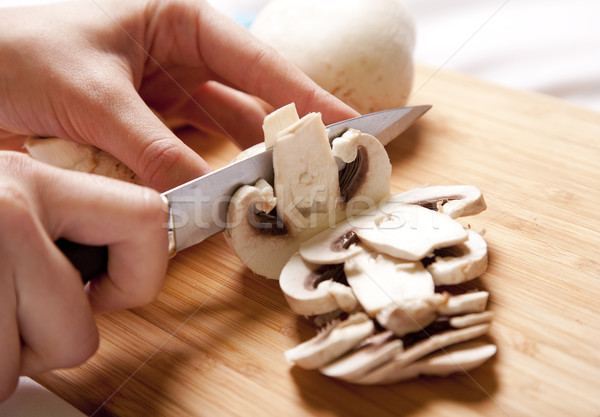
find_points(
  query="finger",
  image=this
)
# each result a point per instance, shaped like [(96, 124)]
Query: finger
[(232, 53), (55, 323), (131, 220), (261, 71), (119, 122), (226, 111)]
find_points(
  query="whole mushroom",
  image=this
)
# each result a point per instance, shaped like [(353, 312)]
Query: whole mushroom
[(359, 50)]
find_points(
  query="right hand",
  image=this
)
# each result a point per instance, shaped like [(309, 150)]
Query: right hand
[(46, 313)]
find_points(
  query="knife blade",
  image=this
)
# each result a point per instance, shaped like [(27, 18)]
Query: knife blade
[(198, 208)]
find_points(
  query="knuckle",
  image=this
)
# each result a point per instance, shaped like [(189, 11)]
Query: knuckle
[(157, 159), (255, 72)]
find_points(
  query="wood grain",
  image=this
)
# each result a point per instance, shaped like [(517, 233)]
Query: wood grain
[(212, 343)]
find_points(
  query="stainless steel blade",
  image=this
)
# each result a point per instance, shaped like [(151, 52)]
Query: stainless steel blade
[(199, 207)]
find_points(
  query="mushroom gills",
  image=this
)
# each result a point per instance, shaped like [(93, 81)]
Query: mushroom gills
[(313, 289), (452, 200), (459, 263)]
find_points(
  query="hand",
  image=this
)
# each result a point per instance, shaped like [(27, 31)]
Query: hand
[(89, 70), (46, 314)]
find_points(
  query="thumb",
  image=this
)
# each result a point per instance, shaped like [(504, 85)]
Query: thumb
[(136, 136)]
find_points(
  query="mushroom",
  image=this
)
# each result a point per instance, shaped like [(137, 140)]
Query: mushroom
[(404, 231), (309, 193), (366, 170), (453, 200), (460, 358), (359, 50), (315, 289), (459, 263), (79, 157), (372, 352), (340, 244), (331, 342), (392, 370)]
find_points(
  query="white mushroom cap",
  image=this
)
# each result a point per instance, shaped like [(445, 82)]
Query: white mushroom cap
[(331, 342), (359, 50), (305, 295)]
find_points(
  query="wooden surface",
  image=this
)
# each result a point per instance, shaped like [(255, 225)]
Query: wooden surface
[(212, 344)]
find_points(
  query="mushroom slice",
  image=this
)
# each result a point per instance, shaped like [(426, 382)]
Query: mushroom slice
[(407, 231), (365, 178), (387, 372), (332, 342), (306, 175), (277, 121), (459, 263), (411, 315), (315, 289), (332, 246), (459, 322), (471, 302), (459, 358), (371, 353), (452, 200), (380, 281), (258, 236)]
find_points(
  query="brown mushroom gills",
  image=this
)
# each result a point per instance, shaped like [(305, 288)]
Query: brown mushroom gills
[(352, 176)]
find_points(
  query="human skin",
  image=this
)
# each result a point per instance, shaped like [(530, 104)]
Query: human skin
[(91, 72)]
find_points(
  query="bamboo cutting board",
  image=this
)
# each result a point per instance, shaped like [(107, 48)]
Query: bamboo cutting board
[(212, 343)]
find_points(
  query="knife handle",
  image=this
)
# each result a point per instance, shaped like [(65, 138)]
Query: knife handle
[(90, 261)]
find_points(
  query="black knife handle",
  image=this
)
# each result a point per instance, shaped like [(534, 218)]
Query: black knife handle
[(90, 261)]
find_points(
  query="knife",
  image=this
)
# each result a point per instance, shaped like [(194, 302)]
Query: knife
[(198, 208)]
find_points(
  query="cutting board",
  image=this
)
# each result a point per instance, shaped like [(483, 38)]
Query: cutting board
[(212, 343)]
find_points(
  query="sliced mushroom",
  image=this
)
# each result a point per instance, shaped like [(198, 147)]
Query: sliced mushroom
[(471, 302), (306, 174), (309, 197), (315, 289), (459, 263), (367, 168), (406, 231), (410, 316), (453, 200), (459, 358), (331, 342), (459, 322), (388, 372), (277, 121), (332, 246), (374, 351)]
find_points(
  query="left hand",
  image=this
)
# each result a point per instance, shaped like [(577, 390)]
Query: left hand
[(90, 71)]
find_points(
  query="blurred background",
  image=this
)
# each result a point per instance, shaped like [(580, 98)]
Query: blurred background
[(551, 47)]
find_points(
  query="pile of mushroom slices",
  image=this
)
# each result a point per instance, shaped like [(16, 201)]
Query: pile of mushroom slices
[(367, 266)]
